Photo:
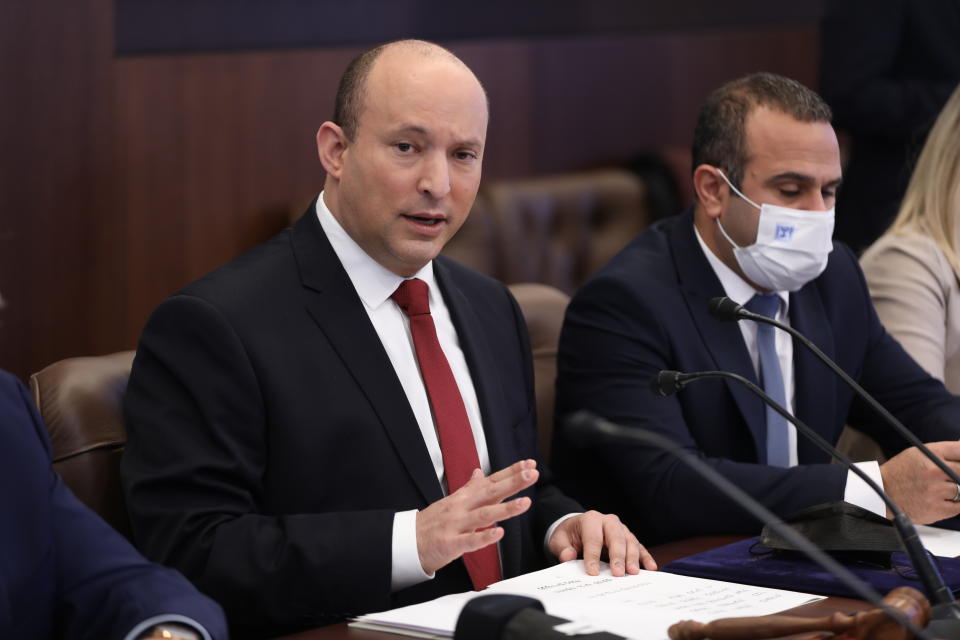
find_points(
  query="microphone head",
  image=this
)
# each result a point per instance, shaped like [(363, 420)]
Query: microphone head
[(723, 308), (487, 616), (666, 383)]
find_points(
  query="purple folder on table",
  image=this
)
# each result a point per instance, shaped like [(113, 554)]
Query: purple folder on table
[(746, 562)]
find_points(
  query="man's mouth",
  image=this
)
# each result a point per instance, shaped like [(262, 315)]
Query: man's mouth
[(425, 219)]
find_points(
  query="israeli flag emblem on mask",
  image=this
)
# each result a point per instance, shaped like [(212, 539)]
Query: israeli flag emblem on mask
[(783, 232)]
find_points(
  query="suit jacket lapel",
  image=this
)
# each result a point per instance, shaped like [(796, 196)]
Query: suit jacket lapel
[(815, 403), (724, 340), (486, 382), (335, 306)]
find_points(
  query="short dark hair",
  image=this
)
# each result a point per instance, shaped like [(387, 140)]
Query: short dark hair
[(720, 137), (350, 92)]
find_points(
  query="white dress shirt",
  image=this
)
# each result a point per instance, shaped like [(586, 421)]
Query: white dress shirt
[(737, 289), (375, 284)]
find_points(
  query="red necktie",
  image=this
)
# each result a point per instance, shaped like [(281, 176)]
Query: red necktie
[(453, 427)]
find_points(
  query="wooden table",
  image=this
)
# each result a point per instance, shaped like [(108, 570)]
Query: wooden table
[(664, 554)]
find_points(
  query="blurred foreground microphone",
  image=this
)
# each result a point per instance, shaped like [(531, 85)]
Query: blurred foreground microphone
[(725, 309), (946, 612), (584, 427), (511, 617)]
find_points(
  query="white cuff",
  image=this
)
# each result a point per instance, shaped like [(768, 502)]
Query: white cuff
[(553, 527), (857, 492), (405, 567)]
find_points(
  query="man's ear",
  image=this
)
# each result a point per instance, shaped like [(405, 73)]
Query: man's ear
[(712, 192), (332, 143)]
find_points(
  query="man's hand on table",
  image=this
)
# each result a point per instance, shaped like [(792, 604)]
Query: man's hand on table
[(922, 490), (464, 521), (589, 533)]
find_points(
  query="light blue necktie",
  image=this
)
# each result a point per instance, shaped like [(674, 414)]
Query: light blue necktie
[(778, 445)]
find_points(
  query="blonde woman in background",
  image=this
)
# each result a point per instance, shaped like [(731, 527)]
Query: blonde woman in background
[(913, 270)]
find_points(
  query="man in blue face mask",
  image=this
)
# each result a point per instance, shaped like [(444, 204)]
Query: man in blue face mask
[(766, 168)]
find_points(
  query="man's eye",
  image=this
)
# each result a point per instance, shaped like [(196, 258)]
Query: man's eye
[(789, 193), (404, 147), (465, 155)]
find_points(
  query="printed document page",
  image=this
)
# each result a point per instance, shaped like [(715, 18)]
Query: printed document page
[(639, 606)]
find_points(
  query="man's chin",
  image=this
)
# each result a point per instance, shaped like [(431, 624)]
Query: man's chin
[(407, 262)]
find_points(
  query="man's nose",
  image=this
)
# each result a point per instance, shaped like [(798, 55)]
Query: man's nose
[(435, 176)]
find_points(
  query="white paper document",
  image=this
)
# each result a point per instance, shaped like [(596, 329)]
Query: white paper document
[(940, 542), (640, 606)]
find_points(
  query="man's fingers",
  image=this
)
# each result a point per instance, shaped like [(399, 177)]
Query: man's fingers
[(566, 554), (515, 468), (591, 536), (633, 552), (946, 449), (615, 538), (474, 540), (486, 516), (948, 489), (645, 558), (487, 491)]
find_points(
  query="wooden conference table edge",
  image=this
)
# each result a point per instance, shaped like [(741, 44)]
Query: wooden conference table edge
[(664, 554)]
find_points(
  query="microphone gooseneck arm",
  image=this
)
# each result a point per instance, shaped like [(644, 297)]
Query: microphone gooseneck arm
[(726, 309), (583, 424), (933, 583)]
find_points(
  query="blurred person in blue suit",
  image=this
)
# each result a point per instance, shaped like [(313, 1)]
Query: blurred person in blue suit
[(64, 573)]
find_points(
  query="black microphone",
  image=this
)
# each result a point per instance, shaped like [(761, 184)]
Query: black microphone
[(584, 426), (724, 308), (945, 608), (511, 617), (667, 383)]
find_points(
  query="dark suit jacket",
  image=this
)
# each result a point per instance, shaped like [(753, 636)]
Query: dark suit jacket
[(63, 571), (647, 311), (271, 443)]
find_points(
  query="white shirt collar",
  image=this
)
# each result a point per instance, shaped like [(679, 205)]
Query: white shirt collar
[(735, 287), (373, 282)]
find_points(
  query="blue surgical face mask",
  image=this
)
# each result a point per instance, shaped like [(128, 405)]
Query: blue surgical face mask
[(792, 247)]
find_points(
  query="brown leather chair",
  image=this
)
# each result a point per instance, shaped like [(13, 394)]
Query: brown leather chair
[(543, 308), (560, 229), (859, 447), (555, 230), (476, 244), (80, 401)]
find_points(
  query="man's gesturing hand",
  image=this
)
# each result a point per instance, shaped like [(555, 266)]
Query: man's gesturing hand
[(589, 533), (457, 524), (919, 488)]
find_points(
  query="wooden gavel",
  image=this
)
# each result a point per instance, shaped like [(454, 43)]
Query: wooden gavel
[(873, 624)]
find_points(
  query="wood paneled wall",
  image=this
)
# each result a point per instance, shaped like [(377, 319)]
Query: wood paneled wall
[(123, 178)]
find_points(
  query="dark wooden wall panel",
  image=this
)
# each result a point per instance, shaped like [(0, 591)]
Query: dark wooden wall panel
[(59, 231), (213, 151), (162, 26), (126, 177)]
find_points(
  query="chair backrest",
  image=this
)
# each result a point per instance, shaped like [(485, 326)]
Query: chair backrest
[(556, 229), (476, 244), (543, 308), (80, 401), (560, 229)]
